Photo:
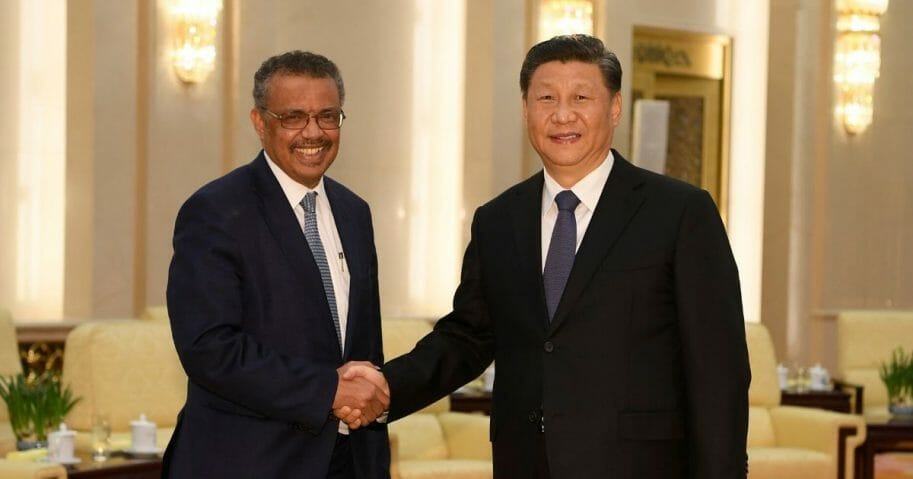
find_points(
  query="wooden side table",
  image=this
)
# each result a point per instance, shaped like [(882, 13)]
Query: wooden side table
[(471, 401), (883, 434), (118, 466), (835, 400)]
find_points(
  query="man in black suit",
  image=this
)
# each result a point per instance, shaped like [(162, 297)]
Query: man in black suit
[(607, 296), (272, 288)]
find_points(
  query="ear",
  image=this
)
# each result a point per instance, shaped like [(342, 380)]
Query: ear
[(616, 109), (256, 119)]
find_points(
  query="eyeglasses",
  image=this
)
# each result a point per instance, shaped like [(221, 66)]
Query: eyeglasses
[(298, 120)]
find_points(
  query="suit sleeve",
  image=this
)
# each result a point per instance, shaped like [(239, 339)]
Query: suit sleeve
[(206, 308), (715, 354), (459, 348)]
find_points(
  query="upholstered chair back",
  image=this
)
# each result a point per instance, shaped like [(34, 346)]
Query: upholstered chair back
[(764, 392), (400, 336), (124, 368), (864, 340)]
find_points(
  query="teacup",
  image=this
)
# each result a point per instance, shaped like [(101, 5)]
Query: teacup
[(143, 434), (61, 445)]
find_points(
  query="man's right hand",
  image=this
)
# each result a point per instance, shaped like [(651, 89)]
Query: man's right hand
[(362, 394)]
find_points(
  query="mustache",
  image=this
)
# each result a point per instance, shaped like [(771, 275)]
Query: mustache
[(310, 144)]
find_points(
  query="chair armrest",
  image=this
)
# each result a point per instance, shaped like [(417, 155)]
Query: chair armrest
[(467, 435), (30, 470), (819, 430), (857, 391)]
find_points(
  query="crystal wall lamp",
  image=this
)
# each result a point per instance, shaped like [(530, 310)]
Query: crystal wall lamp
[(193, 29), (562, 17), (857, 60)]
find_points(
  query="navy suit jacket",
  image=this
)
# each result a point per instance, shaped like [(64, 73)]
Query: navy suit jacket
[(642, 373), (254, 333)]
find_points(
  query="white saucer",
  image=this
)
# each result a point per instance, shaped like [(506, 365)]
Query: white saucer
[(65, 462), (143, 452)]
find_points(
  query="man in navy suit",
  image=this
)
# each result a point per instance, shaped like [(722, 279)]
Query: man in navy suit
[(272, 288), (607, 296)]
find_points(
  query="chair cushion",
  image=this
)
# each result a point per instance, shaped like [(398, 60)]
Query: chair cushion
[(420, 437), (466, 435), (31, 470), (446, 469), (760, 428), (765, 386), (786, 463)]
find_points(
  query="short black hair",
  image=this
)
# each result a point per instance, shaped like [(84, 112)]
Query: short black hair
[(567, 48), (295, 62)]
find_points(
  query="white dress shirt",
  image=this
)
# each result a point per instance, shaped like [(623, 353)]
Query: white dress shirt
[(329, 236), (588, 190)]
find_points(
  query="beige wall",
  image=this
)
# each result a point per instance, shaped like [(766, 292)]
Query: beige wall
[(745, 23), (9, 139), (140, 142), (147, 141), (838, 226)]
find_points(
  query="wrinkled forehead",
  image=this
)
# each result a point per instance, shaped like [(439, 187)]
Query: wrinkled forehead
[(301, 85)]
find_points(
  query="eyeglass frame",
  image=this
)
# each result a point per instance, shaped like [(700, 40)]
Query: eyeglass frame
[(307, 116)]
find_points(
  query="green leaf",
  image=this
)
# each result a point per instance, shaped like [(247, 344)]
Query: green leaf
[(35, 407)]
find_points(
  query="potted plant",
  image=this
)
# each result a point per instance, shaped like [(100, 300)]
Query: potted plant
[(36, 406), (897, 376)]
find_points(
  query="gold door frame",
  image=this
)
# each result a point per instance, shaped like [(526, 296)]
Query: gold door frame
[(689, 56)]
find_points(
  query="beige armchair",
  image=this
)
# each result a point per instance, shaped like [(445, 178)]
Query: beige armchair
[(31, 470), (864, 340), (9, 366), (123, 368), (786, 442), (434, 443)]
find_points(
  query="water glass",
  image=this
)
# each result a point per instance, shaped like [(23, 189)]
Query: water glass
[(101, 436)]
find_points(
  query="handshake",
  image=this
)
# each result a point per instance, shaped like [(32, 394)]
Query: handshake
[(362, 394)]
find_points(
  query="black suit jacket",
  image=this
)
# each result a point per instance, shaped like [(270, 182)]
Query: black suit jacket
[(254, 333), (643, 373)]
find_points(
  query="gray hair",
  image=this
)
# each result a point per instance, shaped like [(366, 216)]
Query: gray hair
[(295, 62)]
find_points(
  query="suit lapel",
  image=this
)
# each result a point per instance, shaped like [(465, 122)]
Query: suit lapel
[(349, 231), (526, 215), (283, 225), (618, 203)]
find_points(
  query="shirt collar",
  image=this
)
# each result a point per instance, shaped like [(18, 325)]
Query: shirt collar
[(293, 190), (588, 189)]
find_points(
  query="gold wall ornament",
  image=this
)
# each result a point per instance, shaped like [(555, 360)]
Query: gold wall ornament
[(193, 30), (857, 61), (681, 97)]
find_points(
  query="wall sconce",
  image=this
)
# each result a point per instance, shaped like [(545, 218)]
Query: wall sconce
[(857, 60), (562, 17), (194, 33)]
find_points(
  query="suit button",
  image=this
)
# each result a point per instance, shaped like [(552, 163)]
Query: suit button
[(549, 346), (533, 417)]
